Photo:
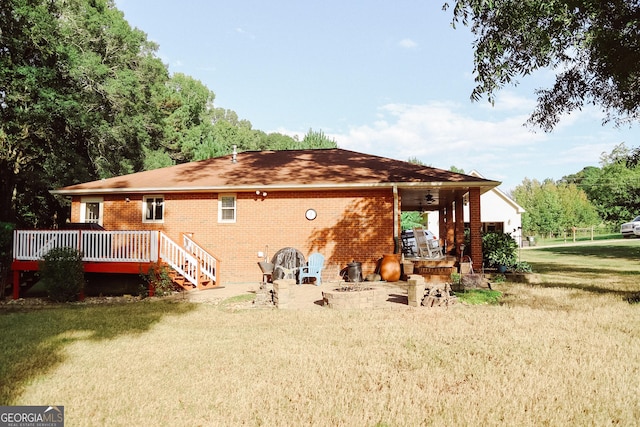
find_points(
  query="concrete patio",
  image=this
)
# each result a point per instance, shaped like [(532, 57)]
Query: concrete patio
[(389, 295)]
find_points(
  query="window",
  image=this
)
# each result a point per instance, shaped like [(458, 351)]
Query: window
[(153, 209), (91, 210), (227, 208)]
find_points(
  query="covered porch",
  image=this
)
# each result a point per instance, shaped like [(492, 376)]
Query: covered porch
[(448, 199)]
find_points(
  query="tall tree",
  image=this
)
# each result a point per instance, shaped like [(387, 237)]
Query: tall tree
[(188, 108), (592, 45), (317, 139), (553, 207), (614, 188), (36, 98), (77, 89), (120, 80)]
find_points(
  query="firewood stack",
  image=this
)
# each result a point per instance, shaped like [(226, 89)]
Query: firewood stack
[(439, 295)]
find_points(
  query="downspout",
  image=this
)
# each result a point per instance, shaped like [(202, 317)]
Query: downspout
[(396, 210)]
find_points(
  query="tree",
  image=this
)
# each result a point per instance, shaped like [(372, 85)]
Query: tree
[(553, 207), (78, 91), (416, 161), (36, 98), (592, 45), (317, 139), (614, 188), (187, 105), (411, 219)]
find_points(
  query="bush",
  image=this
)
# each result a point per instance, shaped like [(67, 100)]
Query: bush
[(499, 249), (158, 277), (522, 267), (62, 274)]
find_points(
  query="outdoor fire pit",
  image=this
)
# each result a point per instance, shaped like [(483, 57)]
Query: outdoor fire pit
[(350, 297)]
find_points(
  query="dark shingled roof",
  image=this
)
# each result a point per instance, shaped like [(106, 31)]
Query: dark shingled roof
[(290, 169)]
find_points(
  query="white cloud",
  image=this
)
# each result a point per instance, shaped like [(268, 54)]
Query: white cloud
[(445, 134), (407, 43), (244, 33), (435, 133), (507, 100)]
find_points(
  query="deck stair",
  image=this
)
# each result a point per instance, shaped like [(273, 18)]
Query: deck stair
[(191, 266)]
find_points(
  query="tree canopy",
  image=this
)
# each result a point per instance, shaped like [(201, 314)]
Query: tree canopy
[(613, 188), (553, 207), (593, 46), (84, 96)]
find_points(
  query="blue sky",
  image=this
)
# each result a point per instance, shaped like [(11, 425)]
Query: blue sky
[(385, 78)]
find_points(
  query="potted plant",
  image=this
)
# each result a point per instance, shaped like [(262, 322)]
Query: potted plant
[(499, 250)]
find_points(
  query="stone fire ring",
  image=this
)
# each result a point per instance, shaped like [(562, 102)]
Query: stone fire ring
[(349, 299)]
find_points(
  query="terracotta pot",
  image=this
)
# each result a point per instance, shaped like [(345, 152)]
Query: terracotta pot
[(407, 267), (390, 267)]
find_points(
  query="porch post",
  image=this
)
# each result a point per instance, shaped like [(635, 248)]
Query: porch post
[(450, 242), (442, 229), (459, 223), (475, 227)]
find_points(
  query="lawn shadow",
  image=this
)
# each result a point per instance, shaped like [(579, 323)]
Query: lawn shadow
[(588, 279), (33, 341), (599, 269), (624, 252)]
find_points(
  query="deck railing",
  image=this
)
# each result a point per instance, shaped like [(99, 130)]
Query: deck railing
[(119, 246), (108, 246)]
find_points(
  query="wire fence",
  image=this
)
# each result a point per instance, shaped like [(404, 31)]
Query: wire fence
[(573, 234)]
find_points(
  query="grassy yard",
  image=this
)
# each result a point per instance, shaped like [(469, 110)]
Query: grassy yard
[(565, 352)]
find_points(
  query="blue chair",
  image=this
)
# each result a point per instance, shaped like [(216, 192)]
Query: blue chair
[(312, 269)]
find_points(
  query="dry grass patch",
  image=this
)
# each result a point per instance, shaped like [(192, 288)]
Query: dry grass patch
[(566, 352), (513, 364)]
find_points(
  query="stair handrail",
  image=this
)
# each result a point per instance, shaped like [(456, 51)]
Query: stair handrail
[(208, 262), (179, 259)]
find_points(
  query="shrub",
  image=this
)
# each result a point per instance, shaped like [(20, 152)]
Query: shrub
[(499, 249), (62, 274), (522, 267), (158, 277)]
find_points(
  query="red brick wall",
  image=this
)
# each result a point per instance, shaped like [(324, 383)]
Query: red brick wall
[(351, 225)]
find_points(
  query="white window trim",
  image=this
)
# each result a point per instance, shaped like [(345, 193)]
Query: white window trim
[(235, 208), (144, 209), (83, 208)]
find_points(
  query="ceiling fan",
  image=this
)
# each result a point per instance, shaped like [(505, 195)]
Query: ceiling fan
[(429, 198)]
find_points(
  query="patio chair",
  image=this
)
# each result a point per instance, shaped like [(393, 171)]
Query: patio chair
[(312, 269), (427, 248), (286, 273)]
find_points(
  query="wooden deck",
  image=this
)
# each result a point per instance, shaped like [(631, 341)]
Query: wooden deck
[(125, 251)]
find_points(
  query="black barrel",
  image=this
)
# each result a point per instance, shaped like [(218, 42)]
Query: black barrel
[(354, 271)]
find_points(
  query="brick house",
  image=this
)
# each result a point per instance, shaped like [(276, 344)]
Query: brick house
[(343, 204)]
